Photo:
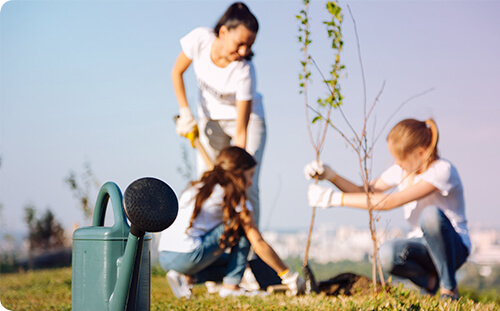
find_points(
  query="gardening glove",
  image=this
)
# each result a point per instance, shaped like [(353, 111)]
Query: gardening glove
[(324, 197), (294, 282), (320, 170), (186, 125)]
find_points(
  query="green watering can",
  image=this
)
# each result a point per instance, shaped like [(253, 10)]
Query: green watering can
[(112, 265)]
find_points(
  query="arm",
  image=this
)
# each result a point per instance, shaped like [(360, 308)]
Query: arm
[(181, 65), (260, 246), (243, 110), (289, 278), (326, 197), (345, 185), (383, 201)]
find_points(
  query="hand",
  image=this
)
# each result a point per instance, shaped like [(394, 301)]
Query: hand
[(319, 170), (186, 123), (323, 197), (192, 135), (295, 283)]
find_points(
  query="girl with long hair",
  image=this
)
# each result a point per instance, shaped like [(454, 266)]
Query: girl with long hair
[(431, 193), (212, 234)]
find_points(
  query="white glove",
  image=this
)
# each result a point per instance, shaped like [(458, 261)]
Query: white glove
[(323, 197), (186, 123), (295, 283), (320, 170)]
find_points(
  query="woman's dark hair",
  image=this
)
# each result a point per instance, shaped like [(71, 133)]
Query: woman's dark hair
[(228, 173), (238, 14)]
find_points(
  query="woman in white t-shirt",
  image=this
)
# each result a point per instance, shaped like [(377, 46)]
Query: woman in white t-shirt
[(211, 237), (431, 193), (230, 109)]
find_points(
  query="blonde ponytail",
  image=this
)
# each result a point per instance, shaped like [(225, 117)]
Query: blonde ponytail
[(432, 152), (410, 134)]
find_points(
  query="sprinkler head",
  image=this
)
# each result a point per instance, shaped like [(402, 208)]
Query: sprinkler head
[(150, 205)]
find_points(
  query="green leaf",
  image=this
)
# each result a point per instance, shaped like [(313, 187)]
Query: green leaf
[(316, 119)]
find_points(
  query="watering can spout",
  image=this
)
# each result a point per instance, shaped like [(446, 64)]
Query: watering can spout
[(125, 270)]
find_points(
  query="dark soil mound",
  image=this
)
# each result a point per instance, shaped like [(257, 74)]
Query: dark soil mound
[(346, 284)]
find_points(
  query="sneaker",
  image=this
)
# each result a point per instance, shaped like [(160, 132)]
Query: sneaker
[(248, 281), (226, 292), (178, 284), (212, 287), (296, 284), (257, 292)]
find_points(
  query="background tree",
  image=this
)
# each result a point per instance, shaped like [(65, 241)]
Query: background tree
[(44, 233), (29, 212), (186, 169), (6, 259), (83, 187)]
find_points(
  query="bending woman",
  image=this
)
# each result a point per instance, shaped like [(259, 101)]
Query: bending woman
[(213, 232), (431, 193), (230, 109)]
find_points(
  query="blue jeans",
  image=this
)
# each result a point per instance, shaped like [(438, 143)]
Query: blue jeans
[(208, 262), (440, 252)]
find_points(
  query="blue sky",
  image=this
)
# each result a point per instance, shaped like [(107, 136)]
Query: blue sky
[(89, 81)]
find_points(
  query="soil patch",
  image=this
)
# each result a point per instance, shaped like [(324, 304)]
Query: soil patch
[(346, 284)]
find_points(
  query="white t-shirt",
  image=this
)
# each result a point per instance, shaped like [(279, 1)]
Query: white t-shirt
[(176, 239), (449, 197), (220, 88)]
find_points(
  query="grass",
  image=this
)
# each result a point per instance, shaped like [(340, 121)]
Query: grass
[(51, 290)]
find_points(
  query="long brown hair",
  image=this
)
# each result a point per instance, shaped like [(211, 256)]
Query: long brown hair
[(410, 134), (228, 173)]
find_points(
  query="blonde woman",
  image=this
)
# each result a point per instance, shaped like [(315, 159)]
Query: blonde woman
[(431, 193)]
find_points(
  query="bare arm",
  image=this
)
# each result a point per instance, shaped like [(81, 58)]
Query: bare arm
[(243, 110), (347, 186), (383, 201), (260, 246), (181, 65)]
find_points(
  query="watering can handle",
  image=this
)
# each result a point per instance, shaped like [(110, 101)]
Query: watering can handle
[(110, 189)]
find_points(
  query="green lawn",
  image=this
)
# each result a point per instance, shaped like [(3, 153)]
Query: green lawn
[(51, 290)]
